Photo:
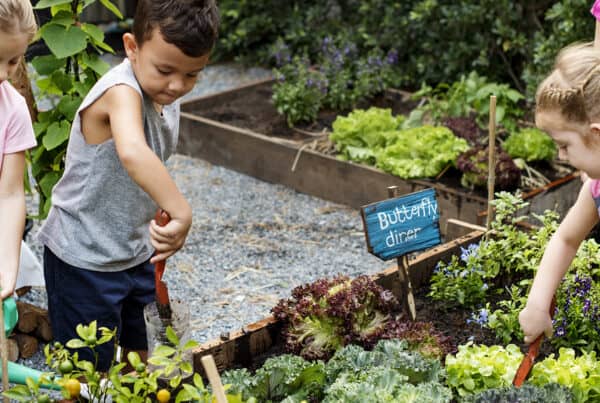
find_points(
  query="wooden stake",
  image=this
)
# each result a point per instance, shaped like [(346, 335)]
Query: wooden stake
[(597, 35), (4, 353), (408, 298), (491, 159), (208, 362)]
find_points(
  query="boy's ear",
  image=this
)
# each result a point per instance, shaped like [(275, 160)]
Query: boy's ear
[(595, 128), (130, 45)]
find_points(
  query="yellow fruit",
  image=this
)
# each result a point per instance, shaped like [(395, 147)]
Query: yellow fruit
[(73, 387), (163, 396)]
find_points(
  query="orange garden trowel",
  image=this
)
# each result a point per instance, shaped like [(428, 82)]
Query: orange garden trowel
[(532, 353), (162, 294)]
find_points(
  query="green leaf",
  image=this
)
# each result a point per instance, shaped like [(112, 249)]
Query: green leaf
[(46, 65), (46, 184), (49, 3), (93, 31), (57, 134), (62, 81), (64, 41), (74, 343), (164, 351), (68, 106), (134, 358), (94, 62), (64, 17), (112, 8), (172, 336)]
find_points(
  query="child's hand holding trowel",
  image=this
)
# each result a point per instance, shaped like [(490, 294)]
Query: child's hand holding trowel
[(169, 238)]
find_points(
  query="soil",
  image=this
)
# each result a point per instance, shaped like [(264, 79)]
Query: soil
[(253, 109)]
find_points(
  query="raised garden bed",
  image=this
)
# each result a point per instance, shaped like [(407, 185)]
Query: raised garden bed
[(241, 130), (249, 346)]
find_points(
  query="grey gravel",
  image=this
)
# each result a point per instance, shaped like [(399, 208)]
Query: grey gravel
[(251, 242)]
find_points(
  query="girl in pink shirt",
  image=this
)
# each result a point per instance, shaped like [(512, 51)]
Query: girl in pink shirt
[(17, 28)]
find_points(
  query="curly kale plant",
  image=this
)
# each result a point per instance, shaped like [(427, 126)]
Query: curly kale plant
[(531, 145), (549, 393), (323, 316)]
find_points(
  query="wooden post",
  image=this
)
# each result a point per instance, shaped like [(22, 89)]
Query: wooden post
[(4, 353), (491, 160), (208, 362), (408, 298)]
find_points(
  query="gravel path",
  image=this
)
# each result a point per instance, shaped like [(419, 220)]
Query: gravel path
[(251, 242)]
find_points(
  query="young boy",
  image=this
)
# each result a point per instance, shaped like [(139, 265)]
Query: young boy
[(97, 237)]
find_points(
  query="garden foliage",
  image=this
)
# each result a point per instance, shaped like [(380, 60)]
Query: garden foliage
[(65, 77), (389, 373), (375, 136), (512, 42)]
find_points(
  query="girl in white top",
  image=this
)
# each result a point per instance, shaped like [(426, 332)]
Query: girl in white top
[(17, 28)]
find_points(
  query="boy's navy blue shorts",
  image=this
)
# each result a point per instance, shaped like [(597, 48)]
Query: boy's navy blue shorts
[(113, 299)]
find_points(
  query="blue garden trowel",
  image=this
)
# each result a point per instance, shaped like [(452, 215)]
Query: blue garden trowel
[(18, 373)]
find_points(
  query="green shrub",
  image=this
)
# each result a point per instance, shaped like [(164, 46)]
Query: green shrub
[(531, 145)]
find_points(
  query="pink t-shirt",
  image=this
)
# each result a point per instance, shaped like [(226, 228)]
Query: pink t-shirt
[(16, 130)]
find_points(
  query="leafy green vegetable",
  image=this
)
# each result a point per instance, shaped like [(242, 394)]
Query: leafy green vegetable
[(359, 135), (474, 162), (476, 368), (421, 152), (323, 316), (549, 393), (581, 374), (531, 145)]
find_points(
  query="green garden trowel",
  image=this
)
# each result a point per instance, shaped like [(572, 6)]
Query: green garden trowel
[(11, 316), (18, 373)]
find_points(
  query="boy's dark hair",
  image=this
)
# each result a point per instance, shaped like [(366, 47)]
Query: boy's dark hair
[(191, 25)]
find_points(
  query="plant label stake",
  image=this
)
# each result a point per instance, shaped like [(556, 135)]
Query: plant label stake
[(491, 160), (208, 362), (399, 225), (532, 353), (162, 294)]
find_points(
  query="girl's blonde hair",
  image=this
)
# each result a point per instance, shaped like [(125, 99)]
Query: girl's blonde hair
[(16, 16), (573, 87)]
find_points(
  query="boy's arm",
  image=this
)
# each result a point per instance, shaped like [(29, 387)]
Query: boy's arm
[(124, 109), (557, 258), (12, 217)]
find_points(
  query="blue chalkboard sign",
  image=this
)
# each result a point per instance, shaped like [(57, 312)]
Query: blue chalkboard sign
[(400, 225)]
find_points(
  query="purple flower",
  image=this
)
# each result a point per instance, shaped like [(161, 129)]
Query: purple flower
[(392, 56)]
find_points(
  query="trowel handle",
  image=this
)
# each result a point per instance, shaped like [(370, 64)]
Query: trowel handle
[(162, 218)]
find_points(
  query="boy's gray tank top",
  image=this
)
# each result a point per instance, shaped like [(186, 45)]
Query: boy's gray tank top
[(99, 217)]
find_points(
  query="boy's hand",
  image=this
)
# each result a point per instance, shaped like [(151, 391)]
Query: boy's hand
[(168, 239), (535, 321)]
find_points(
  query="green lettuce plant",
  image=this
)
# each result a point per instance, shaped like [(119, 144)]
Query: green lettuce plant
[(476, 368), (421, 152), (360, 135), (65, 77), (581, 374), (530, 144)]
